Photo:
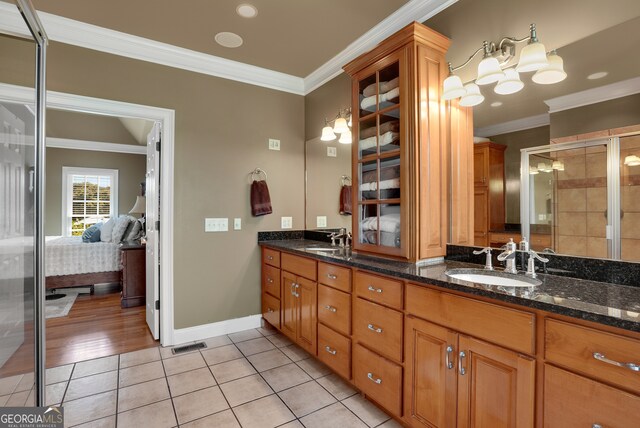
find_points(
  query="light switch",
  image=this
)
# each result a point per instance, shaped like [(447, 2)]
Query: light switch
[(274, 144), (216, 224), (332, 152), (321, 221), (286, 222), (237, 223)]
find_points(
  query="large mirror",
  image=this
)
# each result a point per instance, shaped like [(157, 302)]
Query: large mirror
[(601, 92)]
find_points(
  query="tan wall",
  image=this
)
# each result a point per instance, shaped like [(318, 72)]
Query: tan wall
[(131, 172), (89, 127), (222, 131)]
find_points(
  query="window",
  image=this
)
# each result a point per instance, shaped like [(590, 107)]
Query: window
[(89, 196)]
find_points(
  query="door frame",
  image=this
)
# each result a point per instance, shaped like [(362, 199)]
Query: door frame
[(83, 104)]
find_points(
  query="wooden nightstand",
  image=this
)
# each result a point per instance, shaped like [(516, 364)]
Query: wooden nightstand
[(134, 277)]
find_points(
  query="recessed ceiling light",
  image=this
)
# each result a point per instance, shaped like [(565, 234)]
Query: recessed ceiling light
[(228, 40), (247, 10), (496, 104), (598, 75)]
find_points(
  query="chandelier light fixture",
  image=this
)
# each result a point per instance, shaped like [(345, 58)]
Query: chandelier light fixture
[(341, 125), (495, 67)]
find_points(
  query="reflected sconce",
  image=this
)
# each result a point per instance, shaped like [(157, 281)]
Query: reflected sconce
[(557, 165), (632, 160), (340, 126), (543, 167), (533, 170), (496, 67)]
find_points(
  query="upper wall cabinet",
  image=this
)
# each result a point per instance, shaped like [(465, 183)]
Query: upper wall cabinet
[(400, 151)]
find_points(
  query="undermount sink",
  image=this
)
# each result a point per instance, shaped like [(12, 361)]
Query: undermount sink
[(487, 277), (323, 249)]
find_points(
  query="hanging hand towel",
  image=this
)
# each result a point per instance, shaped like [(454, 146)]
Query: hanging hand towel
[(345, 200), (260, 199)]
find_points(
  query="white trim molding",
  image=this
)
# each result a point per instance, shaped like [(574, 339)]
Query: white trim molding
[(205, 331), (512, 126), (95, 146), (594, 95)]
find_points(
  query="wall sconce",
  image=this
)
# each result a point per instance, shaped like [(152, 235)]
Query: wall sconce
[(632, 160), (341, 125), (549, 69)]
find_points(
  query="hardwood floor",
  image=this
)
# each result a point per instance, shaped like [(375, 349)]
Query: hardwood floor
[(95, 327)]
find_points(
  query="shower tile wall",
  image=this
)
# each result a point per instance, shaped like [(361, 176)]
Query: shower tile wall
[(630, 200)]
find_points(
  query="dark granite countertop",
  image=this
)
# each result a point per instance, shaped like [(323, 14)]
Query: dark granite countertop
[(610, 304)]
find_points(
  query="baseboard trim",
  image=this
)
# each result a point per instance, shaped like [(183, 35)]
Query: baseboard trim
[(206, 331)]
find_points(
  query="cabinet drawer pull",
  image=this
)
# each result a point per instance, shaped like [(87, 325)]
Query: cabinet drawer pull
[(631, 366), (269, 310), (269, 257), (374, 328), (331, 308), (377, 381), (332, 276), (461, 369), (447, 357), (293, 287), (374, 289), (331, 351), (270, 281), (596, 426)]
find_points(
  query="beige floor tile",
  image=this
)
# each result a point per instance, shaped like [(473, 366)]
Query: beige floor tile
[(19, 399), (166, 353), (136, 358), (335, 415), (284, 377), (3, 400), (216, 342), (142, 394), (268, 360), (183, 363), (280, 340), (365, 410), (55, 393), (267, 331), (198, 404), (190, 381), (141, 373), (99, 365), (306, 398), (232, 370), (292, 424), (26, 383), (221, 354), (9, 384), (391, 423), (336, 386), (241, 336), (157, 415), (314, 368), (90, 408), (224, 419), (59, 374), (90, 385), (295, 352), (108, 422), (267, 412), (255, 346), (246, 389)]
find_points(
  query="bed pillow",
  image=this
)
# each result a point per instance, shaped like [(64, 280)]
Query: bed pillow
[(119, 227), (92, 233), (133, 231), (106, 230)]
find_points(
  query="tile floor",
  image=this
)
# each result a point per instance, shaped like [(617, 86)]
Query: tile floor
[(254, 378)]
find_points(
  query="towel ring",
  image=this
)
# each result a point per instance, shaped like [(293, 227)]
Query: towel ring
[(257, 172), (344, 179)]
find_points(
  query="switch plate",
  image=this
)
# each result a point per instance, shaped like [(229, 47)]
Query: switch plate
[(216, 224), (274, 144), (332, 152), (237, 223), (286, 222), (321, 221)]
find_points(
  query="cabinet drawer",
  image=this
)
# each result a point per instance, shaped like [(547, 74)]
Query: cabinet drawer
[(334, 276), (571, 400), (508, 327), (334, 309), (271, 257), (271, 310), (335, 351), (378, 289), (378, 378), (271, 280), (574, 347), (299, 265), (379, 328)]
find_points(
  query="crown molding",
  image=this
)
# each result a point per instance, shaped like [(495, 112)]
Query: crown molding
[(594, 95), (512, 126), (95, 146)]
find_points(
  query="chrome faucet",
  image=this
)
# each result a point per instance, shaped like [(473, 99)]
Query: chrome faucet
[(488, 264), (340, 236), (531, 266), (510, 256)]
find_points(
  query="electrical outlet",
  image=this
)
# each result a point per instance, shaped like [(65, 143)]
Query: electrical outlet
[(286, 222), (321, 221), (274, 144), (332, 152), (216, 224), (237, 223)]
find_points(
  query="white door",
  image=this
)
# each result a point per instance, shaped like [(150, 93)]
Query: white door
[(153, 232)]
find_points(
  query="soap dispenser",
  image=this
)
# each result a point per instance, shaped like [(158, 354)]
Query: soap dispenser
[(524, 252)]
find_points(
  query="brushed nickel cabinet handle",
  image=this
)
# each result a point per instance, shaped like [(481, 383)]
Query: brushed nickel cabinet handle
[(596, 426), (331, 351), (269, 257), (374, 328), (447, 357), (331, 308), (374, 289), (269, 310), (631, 366), (372, 379), (332, 276), (270, 281), (461, 369)]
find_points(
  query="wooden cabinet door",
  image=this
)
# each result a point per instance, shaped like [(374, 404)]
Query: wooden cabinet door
[(481, 166), (307, 308), (481, 216), (496, 387), (288, 305), (430, 375)]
